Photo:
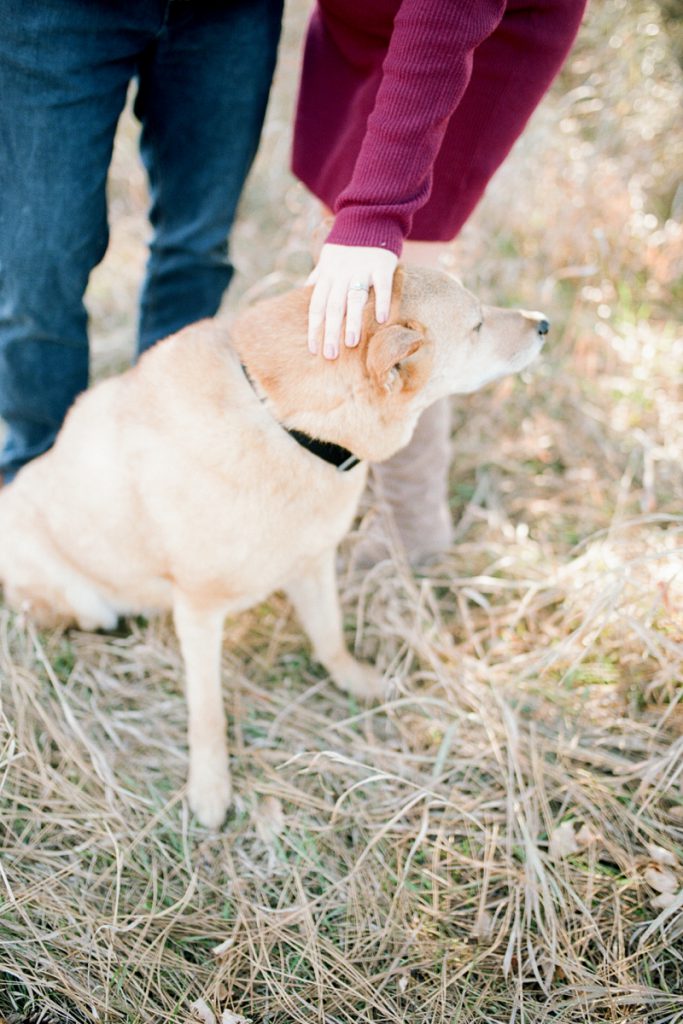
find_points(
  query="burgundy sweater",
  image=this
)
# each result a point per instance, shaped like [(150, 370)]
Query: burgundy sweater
[(380, 81)]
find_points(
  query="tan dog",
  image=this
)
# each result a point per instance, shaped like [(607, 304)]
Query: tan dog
[(176, 485)]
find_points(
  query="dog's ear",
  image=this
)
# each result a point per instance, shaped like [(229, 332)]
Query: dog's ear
[(393, 354)]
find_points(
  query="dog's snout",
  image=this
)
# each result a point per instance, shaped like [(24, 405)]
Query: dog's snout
[(543, 327)]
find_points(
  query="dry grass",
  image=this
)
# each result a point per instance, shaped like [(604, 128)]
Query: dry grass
[(493, 844)]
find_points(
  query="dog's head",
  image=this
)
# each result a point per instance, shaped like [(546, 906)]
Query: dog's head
[(439, 340)]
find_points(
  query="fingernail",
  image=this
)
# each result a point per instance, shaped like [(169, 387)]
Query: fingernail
[(382, 317), (329, 352), (312, 347), (351, 340)]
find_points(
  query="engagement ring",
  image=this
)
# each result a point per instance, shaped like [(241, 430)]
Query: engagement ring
[(358, 286)]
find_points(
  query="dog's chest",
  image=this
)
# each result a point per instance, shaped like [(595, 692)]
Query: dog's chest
[(254, 539)]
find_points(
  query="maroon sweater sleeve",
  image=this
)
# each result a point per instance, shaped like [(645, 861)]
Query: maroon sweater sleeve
[(424, 75)]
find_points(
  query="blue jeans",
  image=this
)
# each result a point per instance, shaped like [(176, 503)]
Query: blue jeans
[(204, 69)]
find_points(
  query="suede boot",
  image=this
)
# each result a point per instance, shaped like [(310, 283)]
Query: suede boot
[(410, 492)]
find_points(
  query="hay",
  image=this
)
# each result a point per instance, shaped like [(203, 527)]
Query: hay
[(502, 840)]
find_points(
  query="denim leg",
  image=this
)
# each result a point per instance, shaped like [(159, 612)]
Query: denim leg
[(64, 70), (203, 90)]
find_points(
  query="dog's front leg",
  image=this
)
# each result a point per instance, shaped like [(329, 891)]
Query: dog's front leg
[(314, 595), (200, 633)]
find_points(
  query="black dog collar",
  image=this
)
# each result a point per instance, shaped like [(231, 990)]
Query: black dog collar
[(341, 458)]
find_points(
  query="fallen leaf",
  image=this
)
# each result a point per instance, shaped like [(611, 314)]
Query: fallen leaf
[(222, 948), (662, 856), (483, 925), (234, 1018), (269, 819), (661, 879), (664, 900), (201, 1011), (563, 841), (586, 836)]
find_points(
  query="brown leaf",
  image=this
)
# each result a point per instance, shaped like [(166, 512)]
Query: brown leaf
[(201, 1011), (563, 841), (586, 836), (483, 925), (661, 879), (234, 1018), (269, 819), (662, 856), (664, 900), (222, 948)]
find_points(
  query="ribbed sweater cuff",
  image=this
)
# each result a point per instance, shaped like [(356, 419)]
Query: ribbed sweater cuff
[(357, 225)]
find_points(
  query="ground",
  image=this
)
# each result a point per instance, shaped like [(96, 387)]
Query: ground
[(502, 840)]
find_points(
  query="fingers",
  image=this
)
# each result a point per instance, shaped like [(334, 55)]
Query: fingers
[(341, 283), (326, 315), (383, 280), (334, 315), (355, 304), (316, 315)]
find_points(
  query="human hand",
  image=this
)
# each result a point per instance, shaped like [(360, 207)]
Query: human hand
[(342, 281)]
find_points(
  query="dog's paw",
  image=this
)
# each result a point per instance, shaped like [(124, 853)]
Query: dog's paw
[(210, 795), (363, 681)]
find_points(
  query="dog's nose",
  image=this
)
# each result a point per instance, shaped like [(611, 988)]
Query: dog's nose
[(543, 327)]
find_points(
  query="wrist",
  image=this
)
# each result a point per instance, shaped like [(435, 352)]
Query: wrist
[(357, 225)]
